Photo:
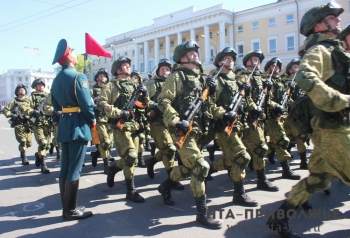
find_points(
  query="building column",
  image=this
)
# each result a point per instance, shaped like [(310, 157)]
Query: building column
[(222, 36), (193, 34), (179, 38), (156, 51), (231, 33), (167, 47), (145, 53), (206, 45), (136, 56)]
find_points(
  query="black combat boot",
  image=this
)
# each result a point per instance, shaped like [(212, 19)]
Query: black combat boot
[(131, 193), (165, 189), (58, 153), (148, 146), (24, 158), (271, 157), (62, 184), (303, 160), (141, 161), (202, 214), (106, 165), (327, 191), (94, 156), (308, 141), (263, 183), (240, 197), (110, 177), (211, 171), (306, 205), (177, 185), (71, 211), (211, 150), (44, 169), (153, 148), (289, 148), (150, 166), (288, 173), (281, 225), (37, 159), (51, 149)]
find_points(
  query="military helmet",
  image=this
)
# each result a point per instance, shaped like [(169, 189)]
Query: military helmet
[(344, 33), (272, 61), (290, 64), (117, 63), (102, 71), (38, 81), (316, 14), (257, 53), (227, 51), (137, 73), (240, 69), (183, 48), (20, 86), (164, 62)]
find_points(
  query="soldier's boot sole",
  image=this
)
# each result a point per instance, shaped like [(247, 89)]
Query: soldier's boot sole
[(244, 200), (267, 186), (135, 197)]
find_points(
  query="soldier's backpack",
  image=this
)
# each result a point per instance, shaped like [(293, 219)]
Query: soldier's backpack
[(301, 113)]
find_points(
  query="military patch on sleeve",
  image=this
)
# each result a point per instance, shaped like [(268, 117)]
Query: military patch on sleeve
[(85, 84)]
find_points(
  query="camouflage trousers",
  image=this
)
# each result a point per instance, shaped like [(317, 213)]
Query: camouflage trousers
[(324, 164), (234, 156), (164, 142), (278, 140), (194, 165), (126, 142), (24, 137), (254, 140), (42, 136), (105, 135), (295, 135), (54, 138)]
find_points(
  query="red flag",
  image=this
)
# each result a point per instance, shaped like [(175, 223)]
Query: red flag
[(92, 47)]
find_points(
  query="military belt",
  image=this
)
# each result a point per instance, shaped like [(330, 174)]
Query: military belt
[(70, 109)]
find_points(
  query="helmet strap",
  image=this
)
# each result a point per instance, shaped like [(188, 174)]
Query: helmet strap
[(334, 31)]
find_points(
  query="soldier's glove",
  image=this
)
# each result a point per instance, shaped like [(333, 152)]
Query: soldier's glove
[(247, 88), (267, 84), (125, 114), (183, 126), (142, 89), (155, 107), (57, 113), (35, 113), (256, 112), (213, 86), (229, 117), (292, 87), (279, 110), (14, 116)]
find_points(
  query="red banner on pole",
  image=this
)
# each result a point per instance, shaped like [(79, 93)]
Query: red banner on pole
[(92, 47)]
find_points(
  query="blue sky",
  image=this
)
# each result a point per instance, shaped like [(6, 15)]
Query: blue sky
[(31, 29)]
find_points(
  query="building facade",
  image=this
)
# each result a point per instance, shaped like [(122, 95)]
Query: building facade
[(272, 28), (12, 77)]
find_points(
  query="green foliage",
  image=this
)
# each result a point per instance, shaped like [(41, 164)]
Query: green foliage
[(79, 67)]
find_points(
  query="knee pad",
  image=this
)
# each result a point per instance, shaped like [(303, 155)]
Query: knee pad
[(106, 145), (43, 144), (29, 144), (170, 151), (142, 138), (324, 183), (131, 158), (283, 142), (261, 149), (23, 143), (200, 170), (242, 160)]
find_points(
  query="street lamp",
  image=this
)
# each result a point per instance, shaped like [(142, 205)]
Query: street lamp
[(215, 43)]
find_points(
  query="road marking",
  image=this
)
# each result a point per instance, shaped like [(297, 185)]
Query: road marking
[(36, 206), (176, 208)]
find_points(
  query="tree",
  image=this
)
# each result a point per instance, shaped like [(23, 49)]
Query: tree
[(79, 67)]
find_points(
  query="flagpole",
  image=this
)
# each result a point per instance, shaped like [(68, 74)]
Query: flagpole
[(85, 58)]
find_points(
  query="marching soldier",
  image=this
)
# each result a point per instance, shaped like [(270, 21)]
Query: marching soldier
[(180, 88), (34, 107), (278, 141), (23, 130), (253, 135), (160, 133), (114, 98), (322, 74), (104, 131)]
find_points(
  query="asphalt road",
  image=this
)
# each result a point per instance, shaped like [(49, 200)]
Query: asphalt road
[(30, 203)]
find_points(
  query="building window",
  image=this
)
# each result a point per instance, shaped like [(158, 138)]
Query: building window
[(272, 46), (272, 22), (133, 52), (151, 48), (183, 40), (151, 65), (255, 25), (239, 29), (26, 79), (240, 50), (255, 43), (211, 35), (105, 60), (211, 55), (133, 67), (225, 32), (141, 51), (142, 67), (171, 43), (126, 53), (172, 57), (161, 46), (290, 18), (290, 43), (19, 79), (197, 37)]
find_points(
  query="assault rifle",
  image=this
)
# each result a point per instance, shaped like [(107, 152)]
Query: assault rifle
[(285, 97), (193, 110), (16, 114), (150, 75), (236, 104), (261, 98), (40, 108)]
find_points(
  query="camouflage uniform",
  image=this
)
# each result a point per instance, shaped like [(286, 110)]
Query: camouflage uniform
[(23, 130)]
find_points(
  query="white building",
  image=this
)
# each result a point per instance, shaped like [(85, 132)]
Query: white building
[(10, 78)]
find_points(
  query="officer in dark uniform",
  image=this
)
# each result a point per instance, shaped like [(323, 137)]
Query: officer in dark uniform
[(70, 93)]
